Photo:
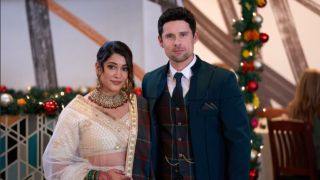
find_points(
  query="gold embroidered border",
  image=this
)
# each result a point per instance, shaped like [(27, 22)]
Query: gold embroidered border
[(133, 108)]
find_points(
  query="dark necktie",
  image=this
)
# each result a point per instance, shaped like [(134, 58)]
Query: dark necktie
[(177, 92)]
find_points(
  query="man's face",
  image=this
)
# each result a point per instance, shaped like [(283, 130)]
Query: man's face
[(178, 41)]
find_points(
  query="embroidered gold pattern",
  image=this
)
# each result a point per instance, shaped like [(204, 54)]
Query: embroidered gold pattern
[(133, 109), (100, 98)]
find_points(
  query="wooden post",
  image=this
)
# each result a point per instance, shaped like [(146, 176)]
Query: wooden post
[(41, 43)]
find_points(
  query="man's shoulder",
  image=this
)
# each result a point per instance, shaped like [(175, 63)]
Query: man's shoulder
[(155, 73), (205, 67)]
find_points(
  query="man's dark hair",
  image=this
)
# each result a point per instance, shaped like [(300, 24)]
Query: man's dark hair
[(178, 13)]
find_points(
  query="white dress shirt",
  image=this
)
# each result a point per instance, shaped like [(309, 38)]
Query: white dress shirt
[(185, 80)]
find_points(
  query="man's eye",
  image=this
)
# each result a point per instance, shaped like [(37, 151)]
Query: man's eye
[(169, 36)]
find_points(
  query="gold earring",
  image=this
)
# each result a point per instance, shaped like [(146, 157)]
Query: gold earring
[(125, 88)]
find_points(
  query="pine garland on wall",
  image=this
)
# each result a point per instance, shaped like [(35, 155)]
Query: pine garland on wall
[(247, 33)]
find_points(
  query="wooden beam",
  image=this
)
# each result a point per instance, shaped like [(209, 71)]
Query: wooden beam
[(41, 44), (289, 36), (229, 13), (311, 5), (165, 4), (86, 29), (76, 22), (274, 86), (218, 35)]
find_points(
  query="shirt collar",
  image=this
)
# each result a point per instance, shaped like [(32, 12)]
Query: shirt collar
[(187, 73)]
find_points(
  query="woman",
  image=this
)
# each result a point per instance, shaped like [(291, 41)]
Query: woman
[(306, 105), (96, 136)]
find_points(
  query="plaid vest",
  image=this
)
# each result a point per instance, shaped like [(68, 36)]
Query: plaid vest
[(176, 157)]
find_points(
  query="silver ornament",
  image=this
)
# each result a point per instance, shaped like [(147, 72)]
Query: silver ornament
[(238, 36), (253, 154), (257, 18), (249, 107), (5, 99), (84, 90), (257, 65)]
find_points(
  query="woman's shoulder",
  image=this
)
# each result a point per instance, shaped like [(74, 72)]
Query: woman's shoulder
[(77, 105)]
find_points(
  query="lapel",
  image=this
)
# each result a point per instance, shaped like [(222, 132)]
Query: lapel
[(200, 80), (158, 83)]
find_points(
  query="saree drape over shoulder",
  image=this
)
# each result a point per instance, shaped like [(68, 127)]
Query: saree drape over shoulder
[(85, 138)]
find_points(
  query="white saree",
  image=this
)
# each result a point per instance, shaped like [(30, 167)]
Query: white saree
[(86, 138)]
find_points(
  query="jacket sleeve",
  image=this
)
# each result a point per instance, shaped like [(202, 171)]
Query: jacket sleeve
[(236, 130)]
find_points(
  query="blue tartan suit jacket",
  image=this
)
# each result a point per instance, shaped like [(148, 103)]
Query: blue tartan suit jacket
[(219, 125)]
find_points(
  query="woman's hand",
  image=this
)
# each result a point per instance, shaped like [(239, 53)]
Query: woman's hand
[(113, 174)]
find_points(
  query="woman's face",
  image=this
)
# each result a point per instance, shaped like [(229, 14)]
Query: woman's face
[(115, 74)]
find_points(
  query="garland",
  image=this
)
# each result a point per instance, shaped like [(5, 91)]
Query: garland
[(247, 34), (37, 101)]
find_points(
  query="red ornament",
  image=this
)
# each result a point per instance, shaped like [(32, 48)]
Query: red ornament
[(68, 90), (3, 89), (137, 91), (253, 175), (254, 122), (252, 86), (50, 106), (264, 37), (247, 66)]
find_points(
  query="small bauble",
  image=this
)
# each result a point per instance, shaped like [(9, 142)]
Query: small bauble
[(68, 90), (84, 90), (237, 37), (249, 108), (254, 122), (247, 66), (261, 3), (258, 65), (3, 89), (253, 154), (245, 53), (252, 86), (253, 174), (257, 18), (5, 99), (21, 102), (137, 91), (251, 35), (50, 106), (255, 101), (264, 37)]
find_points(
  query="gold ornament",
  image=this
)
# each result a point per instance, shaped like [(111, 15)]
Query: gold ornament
[(21, 102), (255, 101), (100, 98), (261, 3), (245, 53)]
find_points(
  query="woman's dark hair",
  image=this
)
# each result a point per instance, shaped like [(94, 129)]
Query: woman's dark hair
[(174, 14), (111, 47)]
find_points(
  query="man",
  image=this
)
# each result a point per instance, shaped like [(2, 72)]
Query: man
[(200, 128)]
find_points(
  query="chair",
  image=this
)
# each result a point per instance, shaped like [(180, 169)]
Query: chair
[(272, 112), (292, 149)]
